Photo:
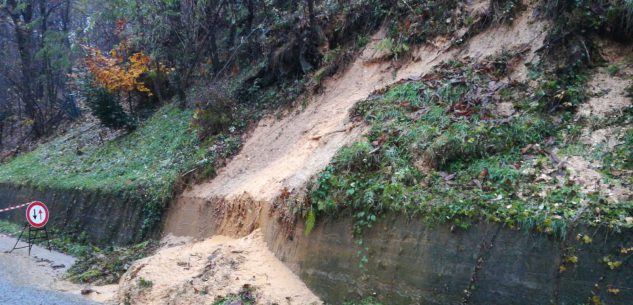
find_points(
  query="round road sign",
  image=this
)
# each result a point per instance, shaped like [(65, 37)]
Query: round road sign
[(37, 214)]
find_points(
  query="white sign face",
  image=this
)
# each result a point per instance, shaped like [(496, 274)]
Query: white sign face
[(37, 214)]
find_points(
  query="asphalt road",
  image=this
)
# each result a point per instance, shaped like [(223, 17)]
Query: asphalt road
[(28, 280)]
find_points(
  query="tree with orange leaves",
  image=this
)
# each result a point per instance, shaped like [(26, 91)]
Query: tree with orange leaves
[(117, 73), (115, 76)]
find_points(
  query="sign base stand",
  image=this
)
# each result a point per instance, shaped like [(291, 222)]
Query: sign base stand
[(34, 236)]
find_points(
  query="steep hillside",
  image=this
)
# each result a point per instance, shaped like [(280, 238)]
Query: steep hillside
[(284, 154), (375, 152), (281, 156), (469, 134)]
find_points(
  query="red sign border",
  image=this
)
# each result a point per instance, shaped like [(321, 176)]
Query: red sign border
[(28, 209)]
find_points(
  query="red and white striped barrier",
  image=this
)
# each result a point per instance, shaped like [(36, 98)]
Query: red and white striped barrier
[(14, 207)]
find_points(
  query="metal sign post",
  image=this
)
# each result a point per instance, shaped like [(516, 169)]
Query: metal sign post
[(34, 237), (37, 217)]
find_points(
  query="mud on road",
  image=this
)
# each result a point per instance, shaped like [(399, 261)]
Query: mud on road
[(36, 279)]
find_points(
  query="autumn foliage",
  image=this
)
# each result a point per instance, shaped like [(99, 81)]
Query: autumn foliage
[(118, 73), (117, 76)]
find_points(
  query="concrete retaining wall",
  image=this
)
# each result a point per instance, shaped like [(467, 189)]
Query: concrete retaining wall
[(105, 218), (412, 263)]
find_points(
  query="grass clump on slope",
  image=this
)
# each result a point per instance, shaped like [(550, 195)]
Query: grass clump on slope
[(440, 148)]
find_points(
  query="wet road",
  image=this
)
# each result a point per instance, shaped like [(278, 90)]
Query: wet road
[(23, 295), (28, 280)]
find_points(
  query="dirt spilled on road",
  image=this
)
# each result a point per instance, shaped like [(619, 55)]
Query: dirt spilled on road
[(220, 267)]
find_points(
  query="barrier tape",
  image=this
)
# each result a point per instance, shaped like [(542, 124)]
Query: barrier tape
[(14, 207)]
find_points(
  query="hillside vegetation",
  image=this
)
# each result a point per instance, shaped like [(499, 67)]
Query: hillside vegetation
[(232, 65), (446, 149), (537, 136), (145, 164), (440, 146), (474, 141)]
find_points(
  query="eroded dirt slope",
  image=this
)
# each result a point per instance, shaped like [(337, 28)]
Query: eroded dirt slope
[(286, 153)]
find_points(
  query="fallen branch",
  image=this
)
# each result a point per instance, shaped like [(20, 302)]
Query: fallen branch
[(347, 129)]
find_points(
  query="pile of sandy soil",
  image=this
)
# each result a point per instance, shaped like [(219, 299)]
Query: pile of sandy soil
[(200, 273), (281, 155), (608, 84), (608, 94), (607, 88), (586, 174)]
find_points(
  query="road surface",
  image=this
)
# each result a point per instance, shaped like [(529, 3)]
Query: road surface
[(28, 280)]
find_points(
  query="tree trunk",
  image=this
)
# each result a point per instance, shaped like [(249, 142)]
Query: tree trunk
[(24, 39), (214, 52), (250, 7), (311, 15)]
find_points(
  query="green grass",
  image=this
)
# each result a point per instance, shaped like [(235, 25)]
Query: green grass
[(144, 164), (143, 283), (614, 69), (437, 149), (9, 228), (150, 157), (93, 265), (106, 266), (246, 296), (76, 246), (367, 301)]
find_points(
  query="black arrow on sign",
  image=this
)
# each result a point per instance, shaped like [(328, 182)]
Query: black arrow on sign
[(34, 215)]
